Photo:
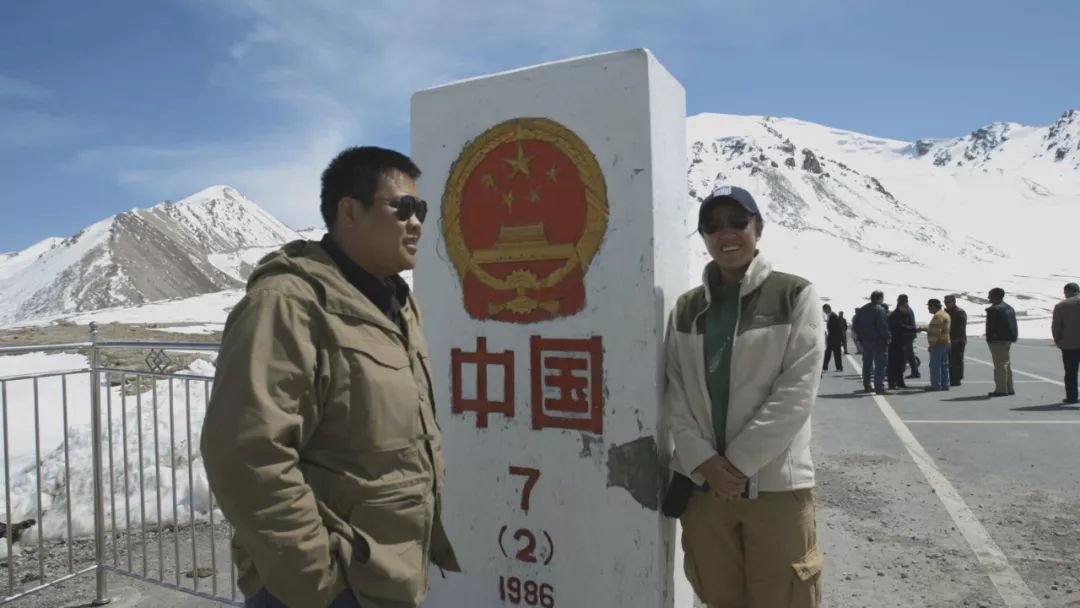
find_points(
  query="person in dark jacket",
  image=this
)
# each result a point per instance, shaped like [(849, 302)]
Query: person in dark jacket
[(834, 336), (872, 326), (901, 349), (843, 331), (1001, 332), (909, 349), (958, 337), (1066, 330)]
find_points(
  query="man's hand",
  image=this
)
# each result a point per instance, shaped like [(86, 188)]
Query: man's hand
[(724, 479)]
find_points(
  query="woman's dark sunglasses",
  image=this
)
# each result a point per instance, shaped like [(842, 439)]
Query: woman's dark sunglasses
[(406, 206), (737, 221)]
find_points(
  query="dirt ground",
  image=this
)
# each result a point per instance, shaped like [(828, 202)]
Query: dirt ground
[(210, 572), (121, 332)]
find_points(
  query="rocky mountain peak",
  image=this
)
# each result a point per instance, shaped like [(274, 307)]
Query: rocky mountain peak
[(810, 161), (1063, 137), (923, 146), (170, 250), (977, 147), (813, 183)]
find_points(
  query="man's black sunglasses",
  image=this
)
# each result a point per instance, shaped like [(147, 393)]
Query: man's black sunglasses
[(406, 206), (738, 221)]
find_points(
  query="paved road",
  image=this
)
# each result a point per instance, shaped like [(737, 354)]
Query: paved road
[(951, 498)]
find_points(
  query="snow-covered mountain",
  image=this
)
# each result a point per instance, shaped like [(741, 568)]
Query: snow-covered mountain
[(805, 190), (202, 244), (1010, 146), (855, 212)]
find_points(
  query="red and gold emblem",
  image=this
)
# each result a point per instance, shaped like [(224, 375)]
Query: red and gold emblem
[(523, 215)]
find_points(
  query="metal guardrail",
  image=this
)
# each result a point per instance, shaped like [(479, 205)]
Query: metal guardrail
[(115, 547)]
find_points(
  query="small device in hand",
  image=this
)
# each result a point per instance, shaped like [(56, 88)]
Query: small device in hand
[(751, 490)]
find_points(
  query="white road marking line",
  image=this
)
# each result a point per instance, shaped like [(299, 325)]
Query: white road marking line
[(992, 421), (1043, 347), (1010, 586), (1017, 371), (1014, 381)]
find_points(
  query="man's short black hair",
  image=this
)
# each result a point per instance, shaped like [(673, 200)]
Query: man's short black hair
[(936, 303), (1072, 288), (997, 292), (877, 295), (356, 172)]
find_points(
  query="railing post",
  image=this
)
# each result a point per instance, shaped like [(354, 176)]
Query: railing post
[(101, 597)]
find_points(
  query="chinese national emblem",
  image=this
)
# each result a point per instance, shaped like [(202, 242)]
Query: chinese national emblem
[(523, 215)]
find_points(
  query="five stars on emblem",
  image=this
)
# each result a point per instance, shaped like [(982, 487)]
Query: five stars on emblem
[(520, 164)]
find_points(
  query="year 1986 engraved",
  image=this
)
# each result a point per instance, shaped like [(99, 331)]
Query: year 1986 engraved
[(529, 593)]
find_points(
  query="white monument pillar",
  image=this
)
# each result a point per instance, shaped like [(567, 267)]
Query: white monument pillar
[(556, 244)]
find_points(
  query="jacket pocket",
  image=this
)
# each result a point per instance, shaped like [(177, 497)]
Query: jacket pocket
[(677, 496), (384, 397), (806, 586), (391, 538)]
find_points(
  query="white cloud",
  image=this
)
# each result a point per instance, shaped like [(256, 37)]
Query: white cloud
[(28, 119), (345, 70), (286, 185), (358, 63), (24, 90), (33, 128)]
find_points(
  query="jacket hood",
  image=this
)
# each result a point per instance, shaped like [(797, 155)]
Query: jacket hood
[(308, 261)]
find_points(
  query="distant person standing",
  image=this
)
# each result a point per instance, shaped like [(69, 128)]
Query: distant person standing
[(1001, 333), (855, 332), (958, 337), (901, 349), (938, 337), (1066, 330), (843, 331), (872, 325), (909, 348), (834, 336)]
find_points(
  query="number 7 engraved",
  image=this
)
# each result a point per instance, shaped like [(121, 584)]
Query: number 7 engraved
[(531, 476)]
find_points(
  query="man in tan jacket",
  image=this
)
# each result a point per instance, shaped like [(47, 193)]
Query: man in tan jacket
[(320, 441), (1066, 330)]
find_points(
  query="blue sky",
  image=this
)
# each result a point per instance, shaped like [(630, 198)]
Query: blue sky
[(105, 106)]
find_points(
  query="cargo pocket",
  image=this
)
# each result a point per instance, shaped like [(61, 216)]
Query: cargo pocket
[(388, 552), (690, 569), (806, 586)]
